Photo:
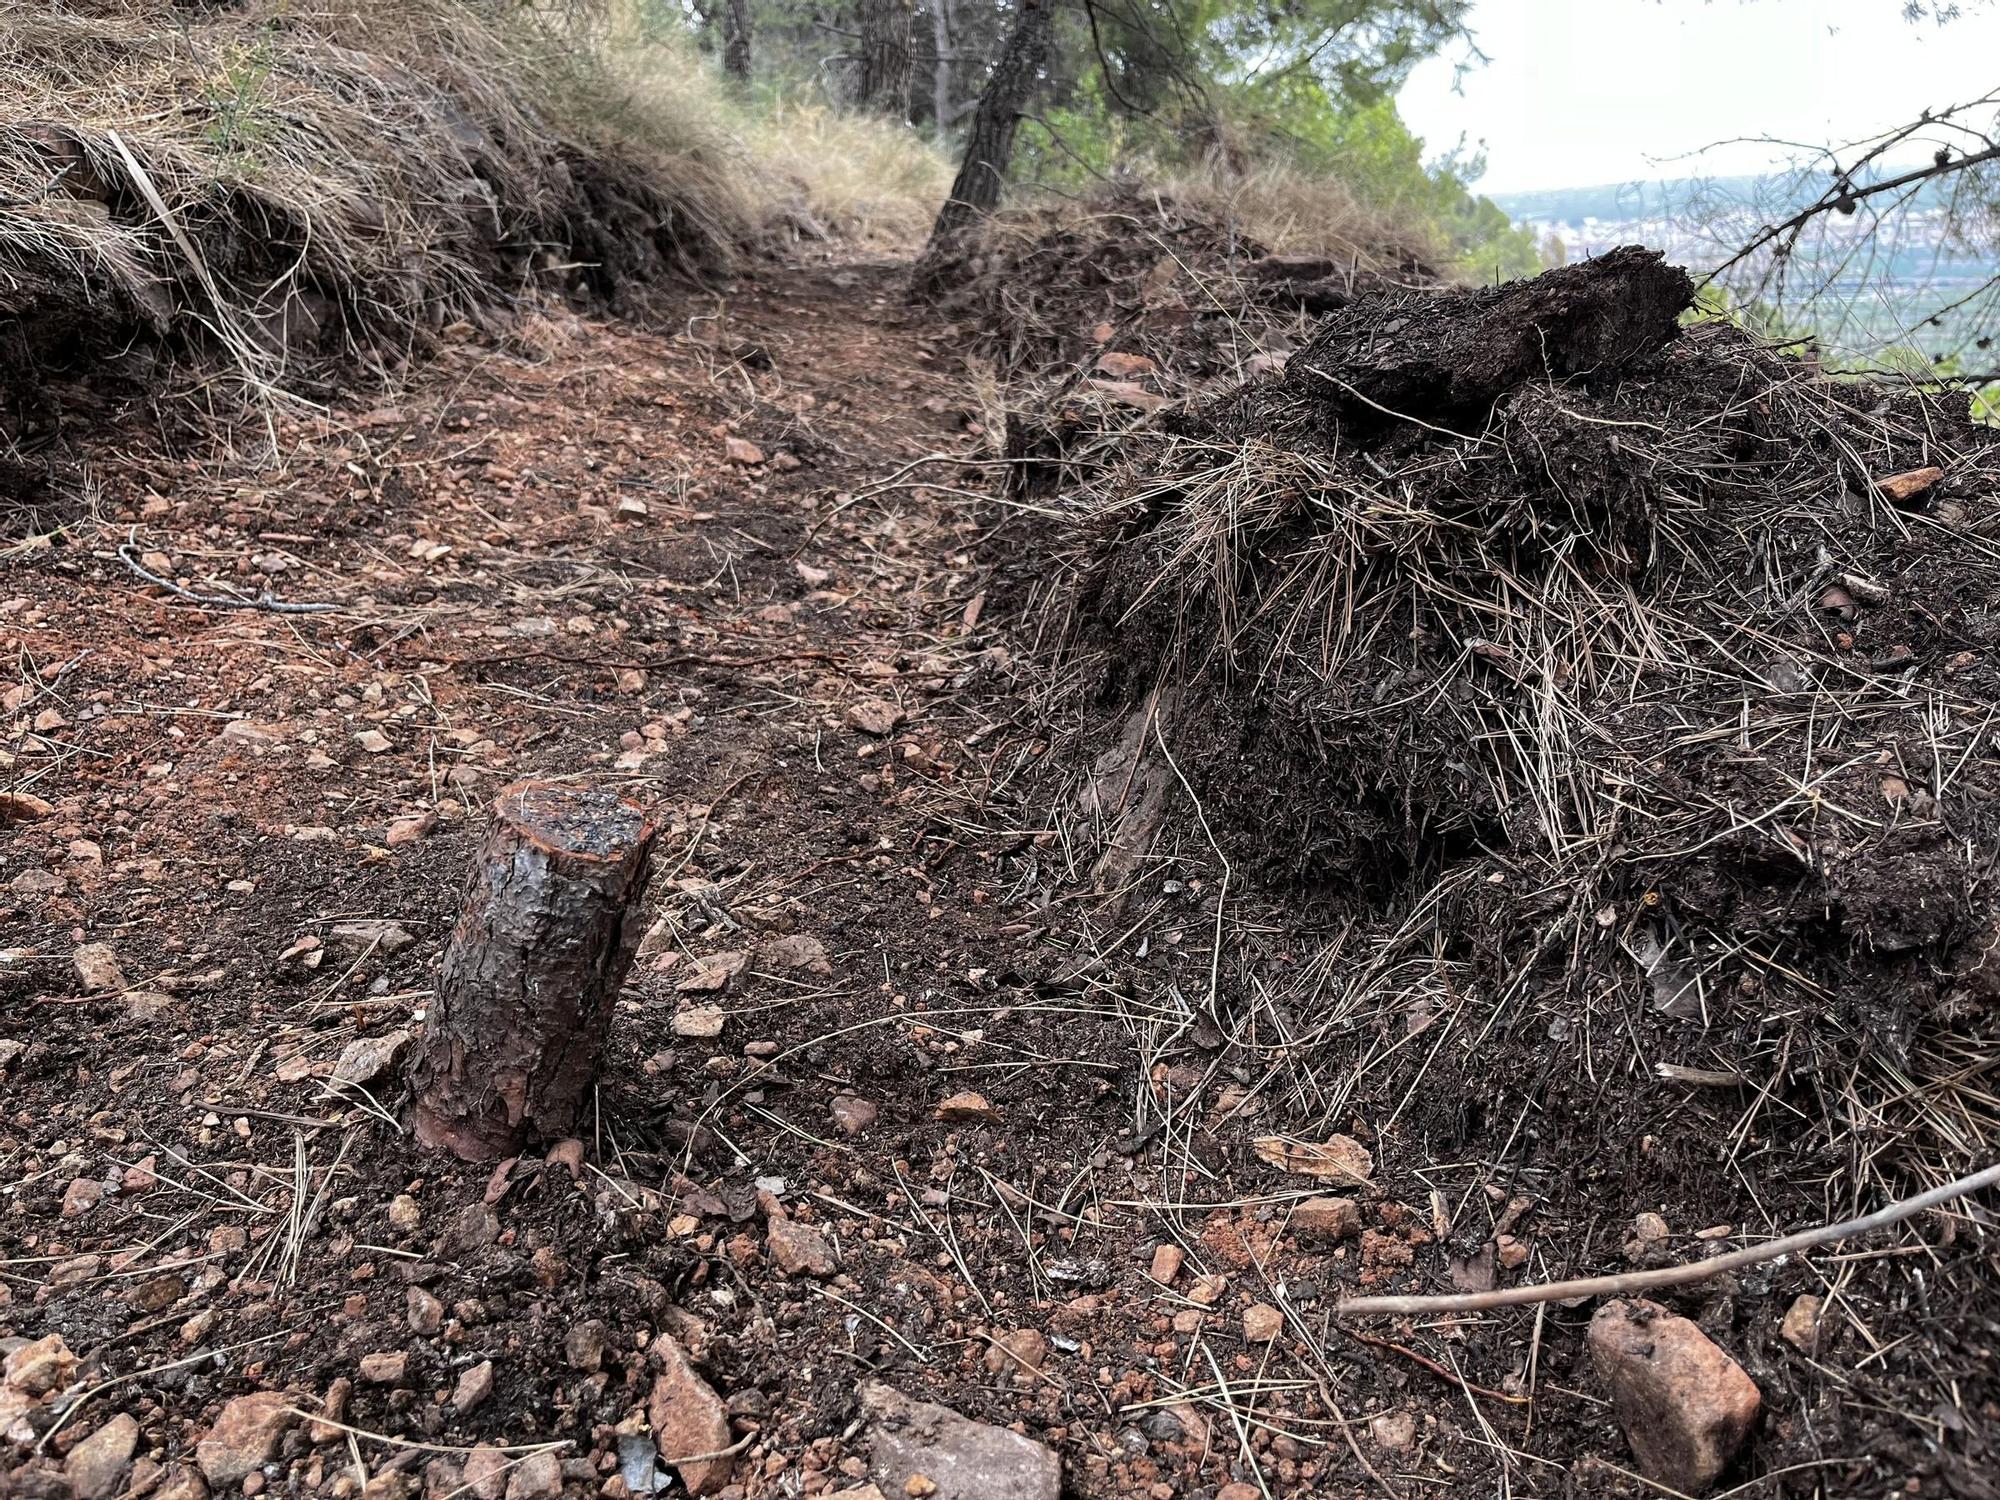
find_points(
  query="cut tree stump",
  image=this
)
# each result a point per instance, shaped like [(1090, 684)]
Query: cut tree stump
[(516, 1033)]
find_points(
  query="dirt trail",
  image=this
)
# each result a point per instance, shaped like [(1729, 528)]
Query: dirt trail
[(703, 563)]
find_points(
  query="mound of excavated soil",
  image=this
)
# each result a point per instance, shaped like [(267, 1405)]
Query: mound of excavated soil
[(1096, 312), (1674, 664), (1604, 711)]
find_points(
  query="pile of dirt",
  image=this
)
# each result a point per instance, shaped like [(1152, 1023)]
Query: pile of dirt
[(1094, 312), (1582, 666), (268, 183), (1576, 729)]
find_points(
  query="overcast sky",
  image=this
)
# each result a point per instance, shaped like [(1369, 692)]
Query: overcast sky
[(1582, 92)]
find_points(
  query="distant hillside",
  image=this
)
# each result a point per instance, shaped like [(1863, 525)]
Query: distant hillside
[(1754, 196), (1864, 286)]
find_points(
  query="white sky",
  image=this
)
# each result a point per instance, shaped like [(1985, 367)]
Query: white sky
[(1583, 92)]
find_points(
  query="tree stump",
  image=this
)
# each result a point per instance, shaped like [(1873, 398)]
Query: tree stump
[(516, 1033)]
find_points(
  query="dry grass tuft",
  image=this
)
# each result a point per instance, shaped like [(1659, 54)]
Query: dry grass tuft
[(276, 175), (860, 179), (1295, 212)]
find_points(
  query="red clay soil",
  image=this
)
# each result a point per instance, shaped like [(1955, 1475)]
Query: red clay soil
[(711, 566)]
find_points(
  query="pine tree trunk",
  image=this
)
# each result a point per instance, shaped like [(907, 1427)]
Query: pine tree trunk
[(941, 75), (516, 1031), (884, 86), (989, 145), (736, 39)]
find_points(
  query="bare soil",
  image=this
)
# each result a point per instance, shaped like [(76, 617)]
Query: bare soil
[(554, 556)]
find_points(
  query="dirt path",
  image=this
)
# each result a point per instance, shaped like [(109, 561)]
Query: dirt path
[(702, 563)]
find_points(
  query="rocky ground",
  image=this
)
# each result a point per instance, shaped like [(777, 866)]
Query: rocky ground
[(917, 1168)]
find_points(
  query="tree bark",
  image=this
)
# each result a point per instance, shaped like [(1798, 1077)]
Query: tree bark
[(989, 145), (941, 74), (736, 39), (524, 1000), (884, 85)]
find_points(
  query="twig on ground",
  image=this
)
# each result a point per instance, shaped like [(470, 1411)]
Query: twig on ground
[(1639, 1281), (128, 555)]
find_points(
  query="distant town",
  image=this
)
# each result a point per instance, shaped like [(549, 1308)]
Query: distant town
[(1914, 285)]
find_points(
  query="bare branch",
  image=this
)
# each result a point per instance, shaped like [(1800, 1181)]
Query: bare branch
[(1640, 1281)]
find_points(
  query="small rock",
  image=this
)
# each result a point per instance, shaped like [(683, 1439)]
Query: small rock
[(472, 1388), (41, 1367), (1394, 1431), (472, 1229), (425, 1313), (97, 968), (742, 451), (486, 1472), (1327, 1220), (1262, 1323), (374, 741), (799, 1249), (874, 716), (1649, 1237), (965, 1108), (22, 807), (96, 1467), (372, 935), (539, 1476), (1017, 1353), (76, 1270), (583, 1346), (1510, 1253), (1338, 1156), (142, 1175), (1237, 1489), (81, 1196), (713, 973), (853, 1114), (242, 734), (10, 1052), (1167, 1263), (409, 829), (699, 1022), (1123, 366), (794, 951), (244, 1437), (1800, 1328), (181, 1483), (327, 1427), (689, 1421), (386, 1367), (966, 1460), (405, 1213), (156, 1294), (367, 1058), (1685, 1405)]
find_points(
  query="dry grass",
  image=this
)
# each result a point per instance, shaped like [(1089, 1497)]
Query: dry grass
[(803, 170), (247, 168), (1293, 212), (855, 178)]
